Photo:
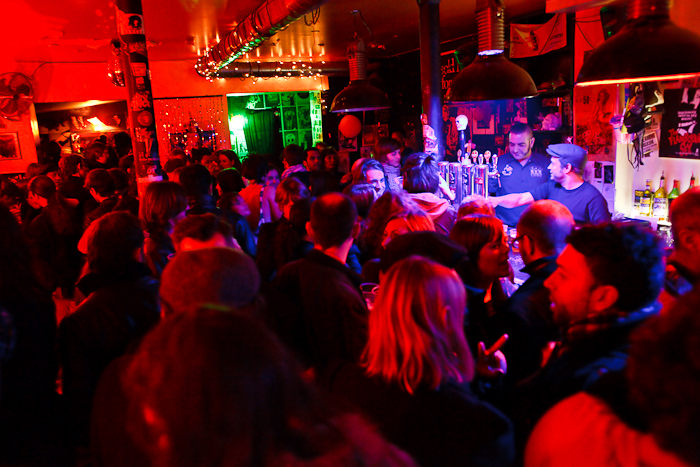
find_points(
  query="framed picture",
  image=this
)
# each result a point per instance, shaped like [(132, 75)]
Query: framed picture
[(9, 147), (347, 144), (368, 135)]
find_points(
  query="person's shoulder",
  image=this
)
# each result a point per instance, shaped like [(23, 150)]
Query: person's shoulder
[(540, 159)]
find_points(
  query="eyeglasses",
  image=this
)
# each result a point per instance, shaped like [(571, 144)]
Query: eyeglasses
[(514, 243)]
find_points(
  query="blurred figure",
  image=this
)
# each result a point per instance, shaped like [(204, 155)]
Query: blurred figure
[(162, 206), (527, 316), (323, 315), (52, 237), (260, 193), (233, 202), (29, 419), (407, 221), (388, 152), (685, 257), (101, 187), (229, 181), (422, 181), (293, 158), (387, 205), (487, 250), (331, 160), (227, 159), (647, 416), (126, 202), (245, 370), (203, 231), (413, 379), (121, 306), (475, 206), (313, 159)]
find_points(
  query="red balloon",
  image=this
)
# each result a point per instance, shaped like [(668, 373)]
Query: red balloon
[(350, 126)]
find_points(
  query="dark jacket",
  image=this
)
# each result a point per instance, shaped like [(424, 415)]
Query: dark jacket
[(105, 207), (157, 248), (320, 312), (447, 426), (241, 230), (52, 238), (572, 368), (118, 312), (526, 317)]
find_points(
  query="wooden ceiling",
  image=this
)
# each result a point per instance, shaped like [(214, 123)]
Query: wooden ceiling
[(74, 31)]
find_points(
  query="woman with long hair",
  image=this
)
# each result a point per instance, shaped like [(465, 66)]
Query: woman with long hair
[(162, 206), (414, 375), (388, 152), (371, 238), (260, 193), (215, 388), (487, 248), (53, 237)]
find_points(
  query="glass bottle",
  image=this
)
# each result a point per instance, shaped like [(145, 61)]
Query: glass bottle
[(647, 200), (660, 208), (675, 192)]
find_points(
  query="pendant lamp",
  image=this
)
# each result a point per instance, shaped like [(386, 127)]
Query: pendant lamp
[(649, 47), (359, 95), (491, 76)]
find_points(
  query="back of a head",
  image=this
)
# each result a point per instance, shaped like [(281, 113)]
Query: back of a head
[(113, 243), (255, 167), (363, 195), (290, 190), (217, 276), (547, 223), (230, 181), (196, 180), (475, 231), (420, 174), (69, 164), (202, 228), (626, 256), (227, 375), (475, 206), (384, 146), (122, 143), (685, 211), (333, 218), (161, 203), (293, 155), (415, 329), (101, 181), (43, 186), (664, 379), (323, 182), (431, 245), (300, 214), (120, 177)]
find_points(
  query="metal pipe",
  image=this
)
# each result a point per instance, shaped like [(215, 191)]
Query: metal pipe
[(431, 84), (269, 18)]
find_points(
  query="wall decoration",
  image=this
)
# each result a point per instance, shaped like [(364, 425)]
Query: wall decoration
[(290, 137), (529, 40), (289, 118), (368, 135), (345, 143), (594, 107), (9, 147), (680, 131), (200, 120)]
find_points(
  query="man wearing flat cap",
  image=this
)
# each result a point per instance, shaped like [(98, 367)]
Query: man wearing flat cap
[(585, 202)]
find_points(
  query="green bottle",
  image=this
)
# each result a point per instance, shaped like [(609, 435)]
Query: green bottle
[(675, 192)]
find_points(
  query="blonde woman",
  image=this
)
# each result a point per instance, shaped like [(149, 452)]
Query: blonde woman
[(413, 380)]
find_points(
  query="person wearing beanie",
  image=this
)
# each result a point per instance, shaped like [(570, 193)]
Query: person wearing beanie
[(585, 202)]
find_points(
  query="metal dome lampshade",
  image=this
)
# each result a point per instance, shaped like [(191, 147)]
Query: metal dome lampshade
[(491, 76), (359, 95), (648, 48)]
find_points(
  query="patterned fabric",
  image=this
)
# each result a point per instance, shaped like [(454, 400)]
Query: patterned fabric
[(599, 323), (293, 169)]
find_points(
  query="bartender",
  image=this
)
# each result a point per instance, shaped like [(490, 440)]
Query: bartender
[(521, 170)]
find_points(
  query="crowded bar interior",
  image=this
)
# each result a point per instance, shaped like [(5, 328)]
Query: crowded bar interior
[(337, 232)]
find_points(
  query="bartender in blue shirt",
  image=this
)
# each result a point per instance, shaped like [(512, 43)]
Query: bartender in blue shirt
[(521, 170)]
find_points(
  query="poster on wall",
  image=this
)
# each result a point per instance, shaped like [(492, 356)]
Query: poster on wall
[(680, 132), (345, 143), (594, 106), (529, 40), (9, 147)]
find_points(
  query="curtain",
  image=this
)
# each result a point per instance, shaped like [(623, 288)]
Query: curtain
[(260, 130)]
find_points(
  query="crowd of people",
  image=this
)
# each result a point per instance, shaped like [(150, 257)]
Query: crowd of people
[(277, 311)]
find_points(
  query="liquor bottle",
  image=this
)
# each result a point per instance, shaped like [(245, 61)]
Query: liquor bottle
[(692, 180), (675, 192), (660, 208), (645, 207)]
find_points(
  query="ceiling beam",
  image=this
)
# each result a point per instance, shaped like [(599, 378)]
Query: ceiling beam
[(572, 6)]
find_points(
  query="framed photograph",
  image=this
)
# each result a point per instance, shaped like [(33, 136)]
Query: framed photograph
[(347, 144), (9, 147)]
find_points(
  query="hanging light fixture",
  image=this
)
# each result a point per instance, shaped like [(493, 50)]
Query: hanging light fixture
[(491, 76), (359, 95), (649, 47)]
